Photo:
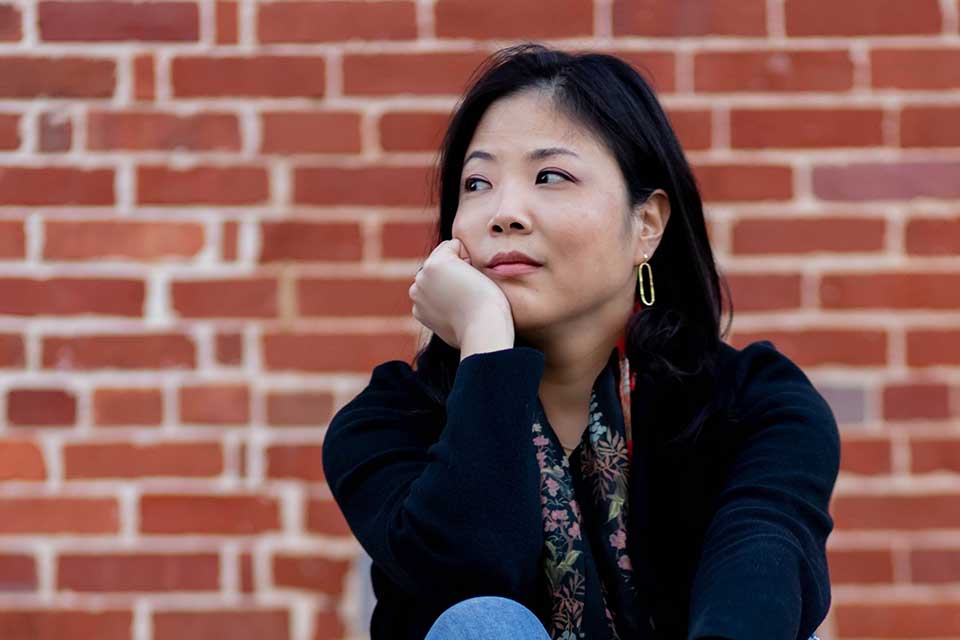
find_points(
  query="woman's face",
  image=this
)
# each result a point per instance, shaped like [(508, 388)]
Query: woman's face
[(564, 209)]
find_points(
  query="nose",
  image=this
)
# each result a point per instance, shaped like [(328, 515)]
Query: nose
[(510, 214), (504, 221)]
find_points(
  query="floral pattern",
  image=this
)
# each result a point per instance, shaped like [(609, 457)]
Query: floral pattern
[(604, 463)]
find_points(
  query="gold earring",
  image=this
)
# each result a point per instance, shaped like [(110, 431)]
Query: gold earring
[(640, 279)]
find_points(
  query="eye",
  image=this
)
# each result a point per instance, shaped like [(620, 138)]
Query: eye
[(555, 173), (469, 181)]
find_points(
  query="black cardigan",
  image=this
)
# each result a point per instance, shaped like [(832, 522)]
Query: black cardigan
[(728, 537)]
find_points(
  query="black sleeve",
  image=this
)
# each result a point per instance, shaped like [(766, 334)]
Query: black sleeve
[(763, 570), (453, 516)]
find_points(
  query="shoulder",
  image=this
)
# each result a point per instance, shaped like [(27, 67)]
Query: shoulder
[(764, 388), (759, 368), (395, 383)]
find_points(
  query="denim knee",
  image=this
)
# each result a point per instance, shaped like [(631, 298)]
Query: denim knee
[(486, 618)]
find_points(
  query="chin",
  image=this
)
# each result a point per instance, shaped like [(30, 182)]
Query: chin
[(525, 319)]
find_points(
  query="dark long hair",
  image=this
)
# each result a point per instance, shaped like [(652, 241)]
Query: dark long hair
[(678, 336)]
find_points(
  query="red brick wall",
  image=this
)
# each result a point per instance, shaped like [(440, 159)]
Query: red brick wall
[(210, 212)]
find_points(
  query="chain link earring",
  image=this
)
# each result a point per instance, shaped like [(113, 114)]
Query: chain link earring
[(640, 279)]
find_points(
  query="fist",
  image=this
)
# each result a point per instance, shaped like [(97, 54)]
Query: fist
[(449, 293)]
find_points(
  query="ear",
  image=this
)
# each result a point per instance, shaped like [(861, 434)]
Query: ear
[(650, 219)]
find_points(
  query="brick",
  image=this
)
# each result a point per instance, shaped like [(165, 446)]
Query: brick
[(860, 566), (41, 408), (930, 126), (412, 131), (143, 572), (127, 407), (934, 454), (932, 347), (230, 240), (21, 460), (228, 348), (815, 347), (248, 624), (146, 131), (294, 462), (805, 128), (71, 296), (51, 186), (307, 22), (55, 132), (58, 515), (887, 181), (510, 19), (744, 183), (144, 351), (328, 625), (9, 128), (208, 514), (17, 573), (99, 21), (253, 77), (382, 186), (144, 77), (240, 185), (214, 404), (916, 401), (906, 512), (772, 71), (310, 573), (866, 456), (112, 239), (65, 624), (753, 236), (373, 74), (126, 460), (919, 69), (308, 241), (67, 77), (765, 292), (223, 298), (10, 27), (333, 352), (246, 573), (299, 408), (407, 239), (12, 352), (933, 236), (353, 297), (13, 241), (289, 132), (890, 290), (694, 128), (897, 620), (847, 402), (324, 517), (227, 22), (861, 18), (936, 566), (689, 18)]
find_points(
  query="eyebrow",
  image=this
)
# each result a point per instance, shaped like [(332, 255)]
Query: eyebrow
[(536, 154)]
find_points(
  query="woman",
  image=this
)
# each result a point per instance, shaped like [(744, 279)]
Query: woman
[(578, 454)]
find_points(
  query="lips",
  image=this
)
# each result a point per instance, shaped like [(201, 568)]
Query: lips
[(513, 268), (512, 257)]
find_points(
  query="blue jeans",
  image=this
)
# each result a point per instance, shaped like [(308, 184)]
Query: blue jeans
[(490, 618), (487, 618)]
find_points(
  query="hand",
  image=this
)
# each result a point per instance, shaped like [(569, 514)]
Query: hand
[(451, 297)]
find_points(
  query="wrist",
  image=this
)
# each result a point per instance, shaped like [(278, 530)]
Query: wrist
[(487, 334)]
